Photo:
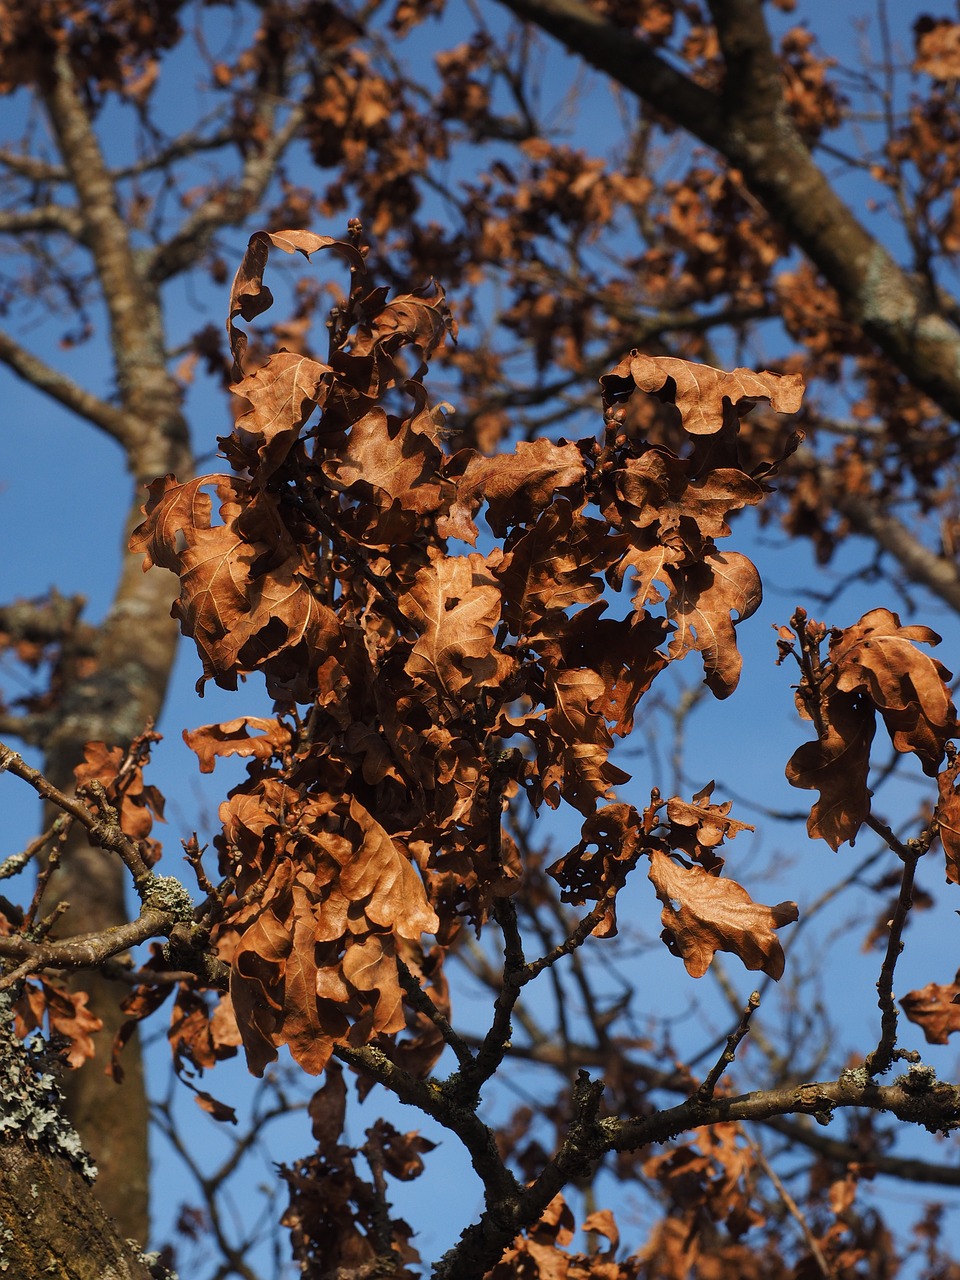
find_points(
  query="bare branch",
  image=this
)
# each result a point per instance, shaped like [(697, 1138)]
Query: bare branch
[(43, 217), (86, 950), (104, 833), (792, 1208), (421, 1001), (709, 1086), (883, 1055), (227, 208), (43, 377)]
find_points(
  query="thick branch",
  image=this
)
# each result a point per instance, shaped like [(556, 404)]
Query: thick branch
[(558, 1058), (59, 387), (149, 395), (751, 128), (44, 217), (85, 951), (501, 1190), (916, 1098)]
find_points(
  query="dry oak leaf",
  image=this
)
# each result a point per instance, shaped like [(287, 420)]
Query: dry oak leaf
[(398, 464), (837, 765), (622, 651), (938, 48), (316, 960), (699, 390), (518, 486), (249, 296), (703, 597), (934, 1009), (233, 738), (421, 319), (139, 803), (947, 818), (240, 581), (703, 914), (283, 394), (327, 1108), (877, 656), (67, 1014), (657, 489), (554, 566), (698, 826), (455, 604)]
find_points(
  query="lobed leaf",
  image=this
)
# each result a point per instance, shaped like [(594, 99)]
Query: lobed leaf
[(703, 914), (837, 765), (699, 391), (878, 657), (934, 1009)]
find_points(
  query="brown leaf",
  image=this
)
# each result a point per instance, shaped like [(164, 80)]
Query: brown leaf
[(70, 1018), (245, 595), (656, 489), (947, 818), (139, 804), (585, 774), (702, 600), (937, 48), (934, 1010), (698, 827), (703, 914), (328, 1108), (519, 485), (420, 319), (283, 394), (623, 652), (910, 689), (402, 1152), (233, 738), (249, 297), (698, 390), (219, 1110), (316, 963), (837, 765), (392, 472), (455, 604), (555, 565)]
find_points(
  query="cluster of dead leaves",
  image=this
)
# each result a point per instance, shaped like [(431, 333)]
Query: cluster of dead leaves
[(543, 1253), (872, 667), (68, 1024), (338, 1220), (417, 689)]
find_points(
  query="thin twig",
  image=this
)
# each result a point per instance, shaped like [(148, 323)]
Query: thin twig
[(708, 1088), (422, 1002), (791, 1206), (882, 1056)]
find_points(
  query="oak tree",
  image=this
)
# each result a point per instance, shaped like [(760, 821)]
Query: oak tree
[(467, 572)]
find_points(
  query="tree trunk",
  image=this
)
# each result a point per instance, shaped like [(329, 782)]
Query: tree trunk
[(134, 647)]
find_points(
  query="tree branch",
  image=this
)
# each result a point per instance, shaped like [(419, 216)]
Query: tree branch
[(43, 377), (229, 208), (750, 126), (43, 217), (103, 832), (86, 950)]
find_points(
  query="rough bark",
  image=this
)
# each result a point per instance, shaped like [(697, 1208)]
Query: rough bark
[(52, 1223), (134, 648)]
